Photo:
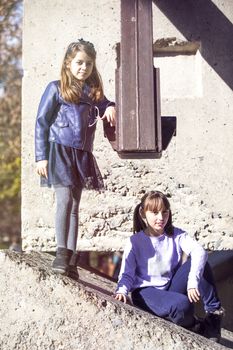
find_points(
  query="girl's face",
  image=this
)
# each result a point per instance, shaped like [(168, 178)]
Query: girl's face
[(81, 66), (156, 221)]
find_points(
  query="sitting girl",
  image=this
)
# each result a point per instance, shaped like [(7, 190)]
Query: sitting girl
[(152, 270)]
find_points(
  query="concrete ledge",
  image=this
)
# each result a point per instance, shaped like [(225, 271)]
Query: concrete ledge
[(40, 310), (221, 263)]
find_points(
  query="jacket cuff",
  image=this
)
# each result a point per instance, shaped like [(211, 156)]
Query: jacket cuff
[(38, 158), (121, 290), (192, 283), (110, 104)]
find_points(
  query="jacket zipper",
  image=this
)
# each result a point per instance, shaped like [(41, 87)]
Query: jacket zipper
[(85, 137)]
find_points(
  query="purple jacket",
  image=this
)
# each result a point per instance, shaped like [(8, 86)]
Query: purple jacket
[(152, 261), (65, 123)]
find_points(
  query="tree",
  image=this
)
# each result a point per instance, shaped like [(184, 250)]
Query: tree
[(10, 115)]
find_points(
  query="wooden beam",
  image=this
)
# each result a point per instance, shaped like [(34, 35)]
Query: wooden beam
[(138, 131)]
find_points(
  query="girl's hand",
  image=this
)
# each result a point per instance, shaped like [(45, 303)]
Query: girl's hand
[(110, 115), (121, 297), (193, 295), (42, 168)]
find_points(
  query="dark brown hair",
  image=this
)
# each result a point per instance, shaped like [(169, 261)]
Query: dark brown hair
[(153, 201), (71, 88)]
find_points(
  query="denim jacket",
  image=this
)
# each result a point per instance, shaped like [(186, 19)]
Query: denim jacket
[(66, 123)]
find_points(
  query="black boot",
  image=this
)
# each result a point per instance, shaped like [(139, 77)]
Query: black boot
[(213, 322), (73, 271), (61, 262), (198, 326)]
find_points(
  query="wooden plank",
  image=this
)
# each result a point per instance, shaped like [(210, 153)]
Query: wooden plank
[(157, 107), (147, 130), (128, 124), (138, 128)]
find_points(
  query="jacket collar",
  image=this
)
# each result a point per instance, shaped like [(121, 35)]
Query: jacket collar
[(83, 99)]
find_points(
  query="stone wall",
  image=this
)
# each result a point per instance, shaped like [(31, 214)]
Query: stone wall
[(196, 171), (41, 310)]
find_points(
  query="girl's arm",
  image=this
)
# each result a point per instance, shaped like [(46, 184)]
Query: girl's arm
[(107, 110), (110, 115), (198, 259), (127, 272), (47, 106), (103, 104)]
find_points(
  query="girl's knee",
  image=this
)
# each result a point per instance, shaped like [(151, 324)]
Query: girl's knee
[(64, 198)]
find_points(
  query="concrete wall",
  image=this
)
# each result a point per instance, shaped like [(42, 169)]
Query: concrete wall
[(47, 311), (196, 170)]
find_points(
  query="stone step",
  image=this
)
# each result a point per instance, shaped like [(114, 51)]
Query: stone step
[(42, 310), (227, 338)]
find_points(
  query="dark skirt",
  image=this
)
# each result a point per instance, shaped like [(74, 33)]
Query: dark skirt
[(69, 166)]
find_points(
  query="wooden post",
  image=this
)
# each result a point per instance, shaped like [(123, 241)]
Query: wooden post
[(138, 129)]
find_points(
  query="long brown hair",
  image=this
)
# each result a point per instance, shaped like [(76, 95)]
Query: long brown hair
[(153, 201), (71, 88)]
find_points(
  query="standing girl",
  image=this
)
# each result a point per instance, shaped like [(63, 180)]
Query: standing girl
[(64, 135), (152, 269)]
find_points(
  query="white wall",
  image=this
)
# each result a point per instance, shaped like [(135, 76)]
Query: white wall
[(196, 170)]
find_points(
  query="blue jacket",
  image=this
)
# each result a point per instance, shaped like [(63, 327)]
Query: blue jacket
[(65, 123)]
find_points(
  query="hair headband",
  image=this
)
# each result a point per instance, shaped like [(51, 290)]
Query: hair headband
[(84, 42)]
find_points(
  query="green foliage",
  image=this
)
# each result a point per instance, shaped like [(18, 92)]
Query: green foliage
[(10, 115), (10, 179)]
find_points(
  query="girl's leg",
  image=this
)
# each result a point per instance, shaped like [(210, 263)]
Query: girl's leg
[(170, 305), (62, 222), (179, 281), (66, 224), (63, 211), (209, 296), (207, 287), (208, 290), (74, 217)]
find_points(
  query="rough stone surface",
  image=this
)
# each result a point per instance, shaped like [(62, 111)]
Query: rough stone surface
[(40, 310), (175, 46), (195, 171)]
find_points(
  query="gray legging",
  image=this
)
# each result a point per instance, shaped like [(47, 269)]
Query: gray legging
[(66, 219)]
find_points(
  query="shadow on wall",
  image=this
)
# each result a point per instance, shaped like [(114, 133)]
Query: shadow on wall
[(202, 21)]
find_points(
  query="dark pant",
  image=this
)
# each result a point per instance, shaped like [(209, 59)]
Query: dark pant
[(173, 303), (66, 220)]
